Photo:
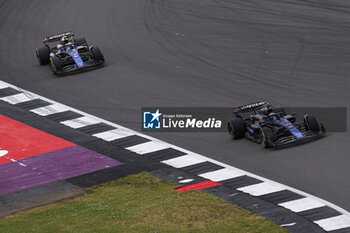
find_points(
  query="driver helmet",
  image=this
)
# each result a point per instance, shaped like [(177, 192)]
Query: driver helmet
[(64, 40), (266, 110)]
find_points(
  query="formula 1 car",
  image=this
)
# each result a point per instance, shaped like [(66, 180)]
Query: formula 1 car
[(272, 126), (72, 56)]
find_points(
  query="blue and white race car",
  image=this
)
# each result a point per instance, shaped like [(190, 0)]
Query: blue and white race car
[(272, 126), (68, 54)]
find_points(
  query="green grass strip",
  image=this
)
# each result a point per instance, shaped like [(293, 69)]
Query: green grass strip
[(139, 203)]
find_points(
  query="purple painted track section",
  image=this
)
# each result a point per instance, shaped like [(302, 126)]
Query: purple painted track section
[(51, 167)]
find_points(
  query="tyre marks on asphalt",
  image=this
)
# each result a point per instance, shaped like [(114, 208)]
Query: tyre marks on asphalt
[(235, 182)]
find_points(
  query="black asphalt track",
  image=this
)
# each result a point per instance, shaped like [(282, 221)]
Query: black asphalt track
[(205, 53)]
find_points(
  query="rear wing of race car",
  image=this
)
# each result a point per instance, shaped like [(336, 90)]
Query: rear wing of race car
[(250, 107), (57, 37)]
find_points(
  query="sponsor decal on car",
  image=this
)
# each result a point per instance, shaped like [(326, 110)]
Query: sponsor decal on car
[(251, 106), (58, 36)]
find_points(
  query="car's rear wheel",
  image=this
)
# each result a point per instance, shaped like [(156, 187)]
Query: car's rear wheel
[(43, 55), (80, 41), (236, 128), (55, 64), (268, 137), (97, 54), (311, 123)]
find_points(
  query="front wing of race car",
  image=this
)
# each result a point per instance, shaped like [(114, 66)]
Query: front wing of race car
[(308, 135), (77, 61), (72, 68)]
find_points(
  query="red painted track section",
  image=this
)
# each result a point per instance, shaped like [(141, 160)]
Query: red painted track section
[(22, 141), (199, 186)]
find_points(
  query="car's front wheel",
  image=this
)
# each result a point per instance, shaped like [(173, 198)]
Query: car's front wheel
[(97, 54), (55, 64), (311, 123), (43, 55), (268, 137)]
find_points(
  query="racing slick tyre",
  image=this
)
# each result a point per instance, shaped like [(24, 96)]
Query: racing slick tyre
[(80, 41), (236, 128), (55, 64), (279, 109), (43, 55), (268, 136), (311, 123), (97, 54)]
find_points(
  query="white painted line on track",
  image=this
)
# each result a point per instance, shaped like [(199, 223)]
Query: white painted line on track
[(185, 181), (334, 223), (302, 204), (81, 122), (3, 153), (147, 147), (260, 189), (4, 85), (288, 224), (222, 174), (113, 134), (22, 164), (184, 161), (18, 98), (50, 109)]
